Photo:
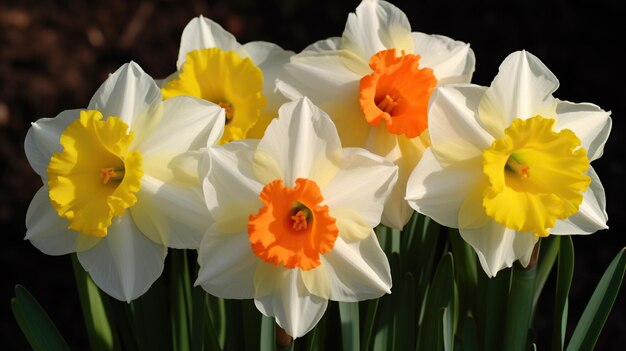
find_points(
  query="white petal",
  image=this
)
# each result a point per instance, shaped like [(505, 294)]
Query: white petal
[(498, 247), (227, 265), (202, 33), (522, 89), (125, 263), (301, 143), (439, 192), (231, 179), (130, 94), (295, 309), (320, 72), (591, 215), (186, 124), (589, 122), (376, 26), (171, 214), (43, 140), (48, 232), (271, 59), (362, 184), (455, 131), (452, 61), (357, 270)]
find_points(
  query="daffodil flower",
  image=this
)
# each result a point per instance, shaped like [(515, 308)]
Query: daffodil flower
[(509, 163), (375, 82), (109, 193), (292, 219), (213, 66)]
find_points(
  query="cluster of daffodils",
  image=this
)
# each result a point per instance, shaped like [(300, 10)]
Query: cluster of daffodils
[(277, 166)]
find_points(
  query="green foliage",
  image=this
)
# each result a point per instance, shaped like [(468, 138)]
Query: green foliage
[(442, 300)]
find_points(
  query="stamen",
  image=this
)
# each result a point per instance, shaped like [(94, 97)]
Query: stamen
[(299, 221), (387, 104), (111, 173), (515, 165), (229, 110)]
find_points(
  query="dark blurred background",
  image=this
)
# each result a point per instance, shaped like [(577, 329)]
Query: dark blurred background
[(55, 54)]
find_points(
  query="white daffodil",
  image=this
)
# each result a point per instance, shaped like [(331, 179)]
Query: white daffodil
[(375, 82), (108, 192), (292, 220), (510, 163), (213, 66)]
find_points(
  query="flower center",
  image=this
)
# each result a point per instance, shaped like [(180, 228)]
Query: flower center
[(224, 78), (516, 166), (94, 178), (397, 92), (228, 109), (536, 176), (292, 228)]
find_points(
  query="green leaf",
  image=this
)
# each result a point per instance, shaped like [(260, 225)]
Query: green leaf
[(349, 315), (442, 294), (234, 324), (406, 325), (547, 257), (385, 321), (368, 325), (466, 271), (595, 314), (519, 307), (565, 272), (35, 323), (180, 299), (447, 328), (491, 313), (268, 334), (217, 317), (251, 324), (315, 338), (151, 317), (469, 335), (95, 308)]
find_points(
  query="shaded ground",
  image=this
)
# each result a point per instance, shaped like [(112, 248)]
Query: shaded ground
[(54, 55)]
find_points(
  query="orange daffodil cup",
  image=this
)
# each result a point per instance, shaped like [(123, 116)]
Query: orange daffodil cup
[(213, 66), (292, 218), (109, 193), (509, 163), (375, 83)]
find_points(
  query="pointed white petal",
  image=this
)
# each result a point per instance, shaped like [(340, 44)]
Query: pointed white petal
[(522, 89), (227, 265), (376, 26), (43, 139), (171, 214), (271, 59), (405, 153), (362, 184), (591, 215), (301, 143), (125, 263), (320, 72), (295, 309), (203, 33), (357, 270), (231, 180), (48, 232), (589, 122), (186, 124), (130, 94), (452, 61), (455, 131), (439, 192), (498, 247)]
